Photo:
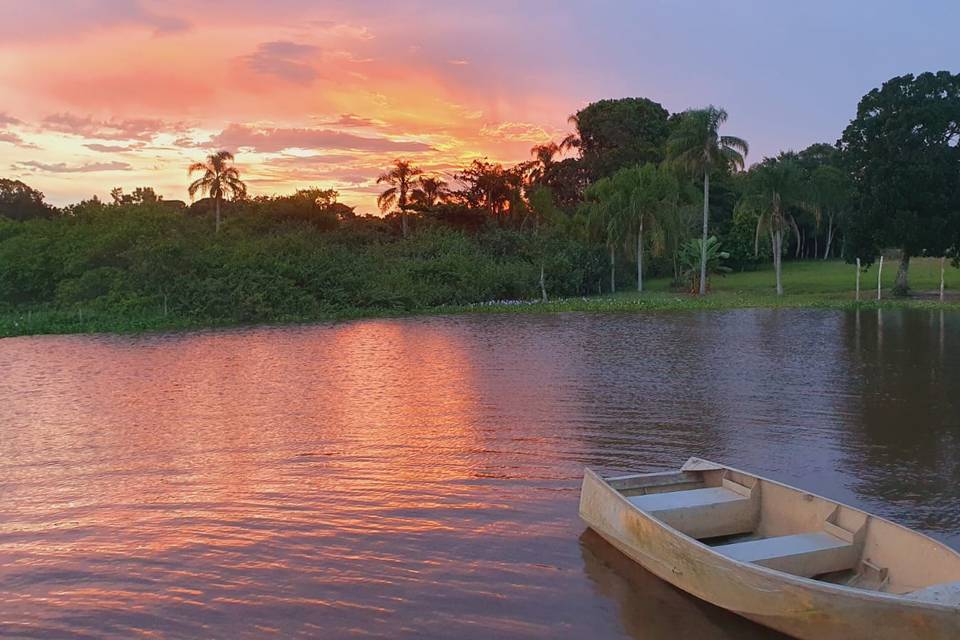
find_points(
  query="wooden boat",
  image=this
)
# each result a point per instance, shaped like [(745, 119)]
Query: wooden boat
[(796, 562)]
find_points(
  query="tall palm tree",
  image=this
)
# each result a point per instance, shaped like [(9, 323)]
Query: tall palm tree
[(697, 146), (219, 178), (400, 178), (430, 190)]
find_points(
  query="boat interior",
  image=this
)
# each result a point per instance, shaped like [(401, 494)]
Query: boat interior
[(756, 521)]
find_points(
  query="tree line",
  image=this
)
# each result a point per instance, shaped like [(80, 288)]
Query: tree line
[(632, 187)]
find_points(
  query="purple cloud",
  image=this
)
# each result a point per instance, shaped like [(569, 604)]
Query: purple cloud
[(236, 136), (31, 21), (286, 60)]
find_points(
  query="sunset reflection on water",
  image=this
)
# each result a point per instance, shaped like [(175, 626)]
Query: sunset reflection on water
[(419, 478)]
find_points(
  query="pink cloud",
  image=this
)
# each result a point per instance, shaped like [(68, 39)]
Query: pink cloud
[(12, 138), (62, 167), (142, 129), (108, 148)]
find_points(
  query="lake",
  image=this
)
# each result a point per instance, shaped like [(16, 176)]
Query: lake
[(419, 478)]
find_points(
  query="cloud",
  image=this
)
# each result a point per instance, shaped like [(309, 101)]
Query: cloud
[(32, 21), (12, 138), (286, 60), (142, 129), (458, 62), (515, 131), (62, 167), (108, 148), (8, 120), (299, 161), (329, 27), (236, 136), (353, 120)]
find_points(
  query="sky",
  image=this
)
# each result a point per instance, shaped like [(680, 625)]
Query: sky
[(96, 94)]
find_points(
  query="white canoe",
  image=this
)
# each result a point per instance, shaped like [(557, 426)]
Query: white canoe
[(790, 560)]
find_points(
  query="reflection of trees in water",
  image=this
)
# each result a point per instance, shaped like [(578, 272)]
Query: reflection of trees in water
[(651, 609), (905, 431)]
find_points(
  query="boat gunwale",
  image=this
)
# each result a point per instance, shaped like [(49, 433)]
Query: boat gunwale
[(811, 583)]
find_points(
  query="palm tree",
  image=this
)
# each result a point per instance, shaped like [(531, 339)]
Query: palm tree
[(400, 178), (697, 146), (572, 140), (219, 178), (430, 190), (774, 186), (652, 207), (607, 216), (829, 192), (544, 155)]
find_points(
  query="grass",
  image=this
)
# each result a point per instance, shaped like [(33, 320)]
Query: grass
[(809, 284)]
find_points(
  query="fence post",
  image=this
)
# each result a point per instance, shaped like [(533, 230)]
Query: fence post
[(858, 279), (879, 273), (943, 260)]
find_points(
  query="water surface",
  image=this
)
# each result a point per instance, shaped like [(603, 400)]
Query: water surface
[(419, 478)]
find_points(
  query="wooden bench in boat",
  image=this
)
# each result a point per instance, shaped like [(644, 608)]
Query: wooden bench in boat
[(801, 554), (703, 513)]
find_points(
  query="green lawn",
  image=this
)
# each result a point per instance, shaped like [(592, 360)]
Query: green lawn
[(833, 278)]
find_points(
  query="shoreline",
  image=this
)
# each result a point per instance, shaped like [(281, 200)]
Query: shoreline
[(59, 322)]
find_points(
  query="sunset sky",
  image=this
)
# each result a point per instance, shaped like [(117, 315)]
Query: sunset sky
[(102, 93)]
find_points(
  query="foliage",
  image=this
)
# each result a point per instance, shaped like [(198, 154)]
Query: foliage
[(690, 256), (612, 134), (220, 179), (20, 202), (903, 153)]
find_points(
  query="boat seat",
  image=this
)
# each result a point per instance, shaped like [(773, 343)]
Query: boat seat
[(701, 513), (947, 593), (802, 554)]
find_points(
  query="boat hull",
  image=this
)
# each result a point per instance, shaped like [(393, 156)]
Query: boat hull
[(802, 608)]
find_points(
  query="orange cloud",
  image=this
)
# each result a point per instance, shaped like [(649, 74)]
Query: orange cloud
[(309, 96)]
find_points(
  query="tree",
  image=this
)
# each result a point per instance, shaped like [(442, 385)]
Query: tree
[(691, 255), (612, 134), (829, 192), (430, 191), (490, 186), (648, 196), (903, 149), (140, 195), (774, 186), (220, 178), (544, 155), (828, 189), (401, 180), (20, 202), (546, 216), (697, 147), (605, 205)]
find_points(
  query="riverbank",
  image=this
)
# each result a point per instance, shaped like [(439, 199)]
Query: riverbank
[(811, 284)]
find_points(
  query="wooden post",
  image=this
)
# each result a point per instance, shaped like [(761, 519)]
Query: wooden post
[(858, 279), (943, 260), (879, 273)]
